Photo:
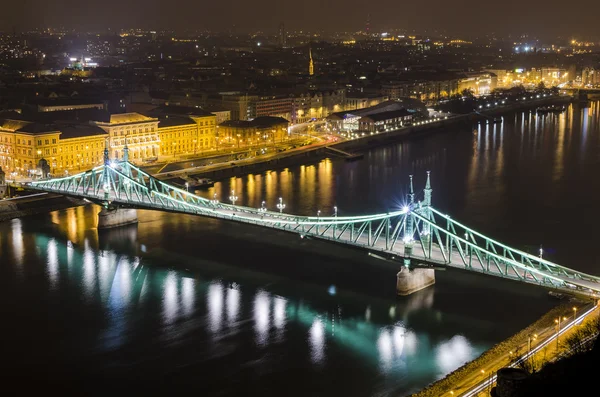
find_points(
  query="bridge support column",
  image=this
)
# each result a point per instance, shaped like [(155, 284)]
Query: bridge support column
[(413, 280), (115, 217)]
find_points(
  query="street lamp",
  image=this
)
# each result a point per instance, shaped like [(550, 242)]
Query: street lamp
[(262, 207), (214, 201), (558, 321), (280, 205), (233, 197), (534, 337), (574, 314), (187, 187), (318, 215), (335, 211)]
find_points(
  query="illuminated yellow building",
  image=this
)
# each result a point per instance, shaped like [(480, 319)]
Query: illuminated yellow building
[(260, 131), (185, 130), (139, 132), (66, 147), (75, 146)]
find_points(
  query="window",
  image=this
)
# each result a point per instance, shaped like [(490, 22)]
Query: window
[(18, 141), (46, 141), (39, 142), (54, 141), (29, 142)]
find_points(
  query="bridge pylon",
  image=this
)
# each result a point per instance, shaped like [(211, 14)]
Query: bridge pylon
[(409, 225)]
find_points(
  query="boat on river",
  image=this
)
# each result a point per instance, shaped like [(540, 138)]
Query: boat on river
[(198, 183), (551, 109)]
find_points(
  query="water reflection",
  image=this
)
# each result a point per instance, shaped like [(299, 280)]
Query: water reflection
[(261, 317), (129, 290), (452, 354), (170, 307), (233, 305), (230, 304), (215, 305), (317, 341)]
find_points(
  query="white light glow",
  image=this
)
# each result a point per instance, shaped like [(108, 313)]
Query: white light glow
[(279, 311), (384, 345), (261, 317), (215, 306), (187, 295), (53, 262), (170, 299), (452, 354), (17, 241), (317, 341)]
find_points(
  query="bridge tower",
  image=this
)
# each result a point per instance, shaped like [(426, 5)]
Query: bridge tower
[(426, 212), (111, 216), (409, 227), (412, 278)]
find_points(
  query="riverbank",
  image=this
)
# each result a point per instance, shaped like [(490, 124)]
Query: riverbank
[(35, 204), (464, 378), (316, 153)]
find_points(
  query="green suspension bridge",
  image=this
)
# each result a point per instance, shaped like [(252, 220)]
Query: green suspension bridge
[(417, 235)]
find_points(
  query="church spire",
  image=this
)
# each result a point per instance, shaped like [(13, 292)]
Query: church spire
[(311, 66)]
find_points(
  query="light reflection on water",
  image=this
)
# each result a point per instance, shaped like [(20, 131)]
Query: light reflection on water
[(118, 281), (231, 309)]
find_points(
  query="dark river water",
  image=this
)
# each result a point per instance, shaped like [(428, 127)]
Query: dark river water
[(180, 304)]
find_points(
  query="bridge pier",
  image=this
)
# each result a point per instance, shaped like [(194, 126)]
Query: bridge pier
[(413, 280), (115, 217)]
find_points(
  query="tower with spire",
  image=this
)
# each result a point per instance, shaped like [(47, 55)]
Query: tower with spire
[(311, 66)]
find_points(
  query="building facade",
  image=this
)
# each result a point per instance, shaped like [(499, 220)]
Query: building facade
[(138, 132), (67, 148), (385, 121), (258, 132)]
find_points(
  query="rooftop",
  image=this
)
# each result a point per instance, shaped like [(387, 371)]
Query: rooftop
[(387, 115), (259, 122), (173, 121), (180, 111)]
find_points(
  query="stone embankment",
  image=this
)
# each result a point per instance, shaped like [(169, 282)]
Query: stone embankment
[(458, 379), (35, 204), (317, 153)]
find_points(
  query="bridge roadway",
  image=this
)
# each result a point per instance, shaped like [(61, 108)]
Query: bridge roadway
[(330, 229), (416, 235)]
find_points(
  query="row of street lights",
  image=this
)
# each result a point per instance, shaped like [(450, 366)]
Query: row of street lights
[(280, 205), (531, 337)]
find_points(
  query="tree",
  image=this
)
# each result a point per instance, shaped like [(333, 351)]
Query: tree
[(541, 86), (468, 93)]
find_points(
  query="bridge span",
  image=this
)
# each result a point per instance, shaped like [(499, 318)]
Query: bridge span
[(416, 235)]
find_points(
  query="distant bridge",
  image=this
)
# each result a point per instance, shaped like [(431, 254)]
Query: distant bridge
[(416, 235)]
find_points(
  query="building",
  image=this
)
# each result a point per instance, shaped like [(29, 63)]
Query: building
[(241, 106), (62, 104), (139, 132), (67, 147), (260, 131), (185, 130), (311, 65), (424, 86), (385, 121), (349, 120), (317, 104), (274, 105), (357, 101), (282, 35), (479, 83)]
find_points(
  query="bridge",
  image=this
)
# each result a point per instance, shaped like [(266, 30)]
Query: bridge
[(414, 236)]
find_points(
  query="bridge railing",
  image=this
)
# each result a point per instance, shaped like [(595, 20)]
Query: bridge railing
[(419, 233)]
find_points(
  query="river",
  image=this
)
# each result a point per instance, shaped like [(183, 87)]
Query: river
[(181, 304)]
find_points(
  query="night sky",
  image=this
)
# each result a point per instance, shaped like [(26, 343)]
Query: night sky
[(543, 18)]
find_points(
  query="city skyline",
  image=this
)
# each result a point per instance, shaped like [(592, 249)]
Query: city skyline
[(532, 17)]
